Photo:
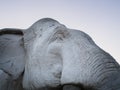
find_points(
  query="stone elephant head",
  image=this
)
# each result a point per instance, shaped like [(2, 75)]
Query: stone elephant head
[(50, 56)]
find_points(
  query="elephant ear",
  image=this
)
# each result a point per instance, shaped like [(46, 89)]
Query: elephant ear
[(11, 56)]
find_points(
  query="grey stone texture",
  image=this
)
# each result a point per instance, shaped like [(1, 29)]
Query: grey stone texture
[(50, 56)]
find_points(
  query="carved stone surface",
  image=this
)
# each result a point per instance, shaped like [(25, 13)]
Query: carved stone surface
[(50, 56)]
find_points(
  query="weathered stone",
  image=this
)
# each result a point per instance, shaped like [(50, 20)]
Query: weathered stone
[(50, 56)]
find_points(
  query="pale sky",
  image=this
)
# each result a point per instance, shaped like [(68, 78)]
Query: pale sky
[(98, 18)]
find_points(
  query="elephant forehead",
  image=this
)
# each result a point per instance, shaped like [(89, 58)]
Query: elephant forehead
[(44, 24), (42, 33), (45, 20)]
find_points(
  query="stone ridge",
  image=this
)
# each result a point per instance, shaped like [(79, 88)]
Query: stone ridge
[(11, 31)]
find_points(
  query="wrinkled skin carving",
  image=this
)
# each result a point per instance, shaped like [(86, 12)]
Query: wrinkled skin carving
[(50, 56)]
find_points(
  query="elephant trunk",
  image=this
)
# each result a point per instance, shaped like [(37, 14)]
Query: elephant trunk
[(43, 60), (84, 63)]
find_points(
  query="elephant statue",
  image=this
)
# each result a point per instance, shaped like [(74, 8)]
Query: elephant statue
[(50, 56)]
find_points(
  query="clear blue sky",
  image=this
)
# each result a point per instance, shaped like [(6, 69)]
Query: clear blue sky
[(99, 18)]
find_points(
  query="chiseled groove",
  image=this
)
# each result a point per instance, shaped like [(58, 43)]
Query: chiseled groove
[(102, 66), (95, 67), (106, 73), (98, 58), (105, 67), (6, 72), (94, 57), (105, 80), (109, 68)]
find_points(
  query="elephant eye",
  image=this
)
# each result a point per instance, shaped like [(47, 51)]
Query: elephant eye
[(60, 36)]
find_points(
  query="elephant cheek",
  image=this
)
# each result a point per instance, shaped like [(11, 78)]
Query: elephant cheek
[(43, 70), (69, 71), (54, 60), (51, 72), (75, 70), (51, 65)]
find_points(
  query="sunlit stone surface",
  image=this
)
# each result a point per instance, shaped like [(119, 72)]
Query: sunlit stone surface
[(50, 56)]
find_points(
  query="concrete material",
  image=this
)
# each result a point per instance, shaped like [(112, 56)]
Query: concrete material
[(50, 56)]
